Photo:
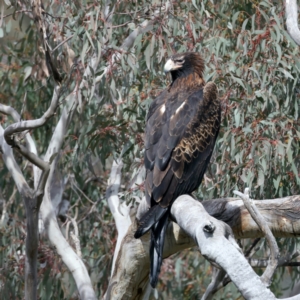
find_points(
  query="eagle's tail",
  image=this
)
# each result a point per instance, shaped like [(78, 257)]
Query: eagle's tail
[(155, 219), (158, 232)]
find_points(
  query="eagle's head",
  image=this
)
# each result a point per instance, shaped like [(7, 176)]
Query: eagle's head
[(183, 64)]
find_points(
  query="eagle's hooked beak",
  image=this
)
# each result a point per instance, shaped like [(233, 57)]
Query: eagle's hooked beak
[(173, 64), (169, 65)]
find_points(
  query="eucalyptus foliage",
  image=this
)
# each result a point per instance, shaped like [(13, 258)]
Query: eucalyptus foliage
[(249, 55)]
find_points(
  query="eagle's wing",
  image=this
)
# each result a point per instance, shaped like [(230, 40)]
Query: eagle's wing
[(180, 135)]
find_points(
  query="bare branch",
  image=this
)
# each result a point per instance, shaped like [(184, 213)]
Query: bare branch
[(75, 235), (119, 211), (216, 243), (18, 12), (258, 218), (31, 124), (8, 110), (217, 279), (11, 164), (130, 276), (68, 255), (60, 44), (249, 252), (67, 112), (21, 126), (281, 215)]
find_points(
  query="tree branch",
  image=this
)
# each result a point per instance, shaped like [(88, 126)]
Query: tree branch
[(216, 243), (68, 255), (11, 164), (291, 13), (214, 286), (258, 218), (21, 126), (130, 276), (119, 211), (8, 110), (30, 124)]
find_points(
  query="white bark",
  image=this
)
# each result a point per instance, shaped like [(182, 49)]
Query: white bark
[(216, 243), (8, 110), (11, 164), (48, 216), (130, 277), (260, 221), (120, 211), (291, 12), (47, 212), (63, 248)]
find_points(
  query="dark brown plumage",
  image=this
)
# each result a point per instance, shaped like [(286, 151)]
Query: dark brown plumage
[(181, 130)]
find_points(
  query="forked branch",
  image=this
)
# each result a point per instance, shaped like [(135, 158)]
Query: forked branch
[(258, 218)]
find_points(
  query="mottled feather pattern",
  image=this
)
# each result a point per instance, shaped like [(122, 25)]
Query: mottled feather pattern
[(181, 130)]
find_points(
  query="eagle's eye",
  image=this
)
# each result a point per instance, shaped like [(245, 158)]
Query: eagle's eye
[(180, 60)]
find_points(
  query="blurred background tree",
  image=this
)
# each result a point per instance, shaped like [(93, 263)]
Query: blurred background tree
[(249, 55)]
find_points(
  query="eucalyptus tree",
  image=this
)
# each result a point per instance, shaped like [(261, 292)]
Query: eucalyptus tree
[(77, 79)]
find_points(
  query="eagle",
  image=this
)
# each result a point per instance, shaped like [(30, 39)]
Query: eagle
[(182, 126)]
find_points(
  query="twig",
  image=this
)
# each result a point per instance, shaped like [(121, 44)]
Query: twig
[(31, 124), (248, 252), (262, 224), (60, 44), (81, 192), (17, 12), (11, 164), (75, 234), (214, 286), (283, 262)]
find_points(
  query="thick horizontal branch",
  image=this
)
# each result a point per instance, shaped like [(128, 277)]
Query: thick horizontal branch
[(216, 243), (130, 277), (281, 215)]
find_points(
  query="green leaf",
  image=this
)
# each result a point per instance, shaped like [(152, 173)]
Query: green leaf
[(276, 183), (148, 55), (286, 73), (27, 72)]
